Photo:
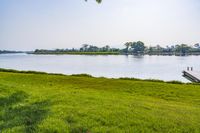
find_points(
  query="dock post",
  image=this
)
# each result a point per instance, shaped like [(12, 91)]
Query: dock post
[(191, 68), (188, 68)]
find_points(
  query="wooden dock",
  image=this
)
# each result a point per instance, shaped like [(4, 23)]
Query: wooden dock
[(193, 76)]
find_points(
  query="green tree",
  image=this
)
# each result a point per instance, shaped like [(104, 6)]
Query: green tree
[(197, 45), (150, 50), (98, 1), (138, 47), (183, 48), (127, 45), (159, 49), (85, 47)]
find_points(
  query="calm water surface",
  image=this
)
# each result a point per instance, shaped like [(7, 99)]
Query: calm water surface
[(113, 66)]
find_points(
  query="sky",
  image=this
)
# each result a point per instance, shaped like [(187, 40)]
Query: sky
[(50, 24)]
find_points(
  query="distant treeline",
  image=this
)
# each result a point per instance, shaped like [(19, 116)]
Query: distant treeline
[(9, 52), (178, 49), (85, 49), (135, 48)]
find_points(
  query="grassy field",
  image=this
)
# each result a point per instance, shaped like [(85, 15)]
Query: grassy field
[(39, 102)]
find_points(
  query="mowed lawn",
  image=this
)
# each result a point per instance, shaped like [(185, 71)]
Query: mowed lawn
[(60, 104)]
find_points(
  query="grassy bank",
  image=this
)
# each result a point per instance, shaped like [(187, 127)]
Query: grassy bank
[(40, 102)]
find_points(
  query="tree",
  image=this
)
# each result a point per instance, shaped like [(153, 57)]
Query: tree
[(151, 49), (105, 48), (85, 47), (159, 48), (197, 45), (128, 45), (138, 47), (98, 1), (183, 48)]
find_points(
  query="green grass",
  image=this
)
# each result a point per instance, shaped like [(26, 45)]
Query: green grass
[(40, 102)]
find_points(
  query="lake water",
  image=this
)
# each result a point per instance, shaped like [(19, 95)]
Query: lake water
[(112, 66)]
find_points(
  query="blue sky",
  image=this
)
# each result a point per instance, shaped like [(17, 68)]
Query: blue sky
[(49, 24)]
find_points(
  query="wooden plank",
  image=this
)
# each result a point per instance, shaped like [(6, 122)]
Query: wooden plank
[(193, 76)]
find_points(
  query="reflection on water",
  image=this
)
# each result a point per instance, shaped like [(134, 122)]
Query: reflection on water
[(112, 66)]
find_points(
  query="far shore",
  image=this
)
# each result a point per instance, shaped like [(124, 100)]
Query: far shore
[(113, 53), (106, 53)]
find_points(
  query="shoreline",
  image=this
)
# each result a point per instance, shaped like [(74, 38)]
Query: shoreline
[(116, 53), (108, 53), (88, 75)]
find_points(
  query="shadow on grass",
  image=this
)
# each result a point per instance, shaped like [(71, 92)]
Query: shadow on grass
[(13, 99), (14, 113)]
